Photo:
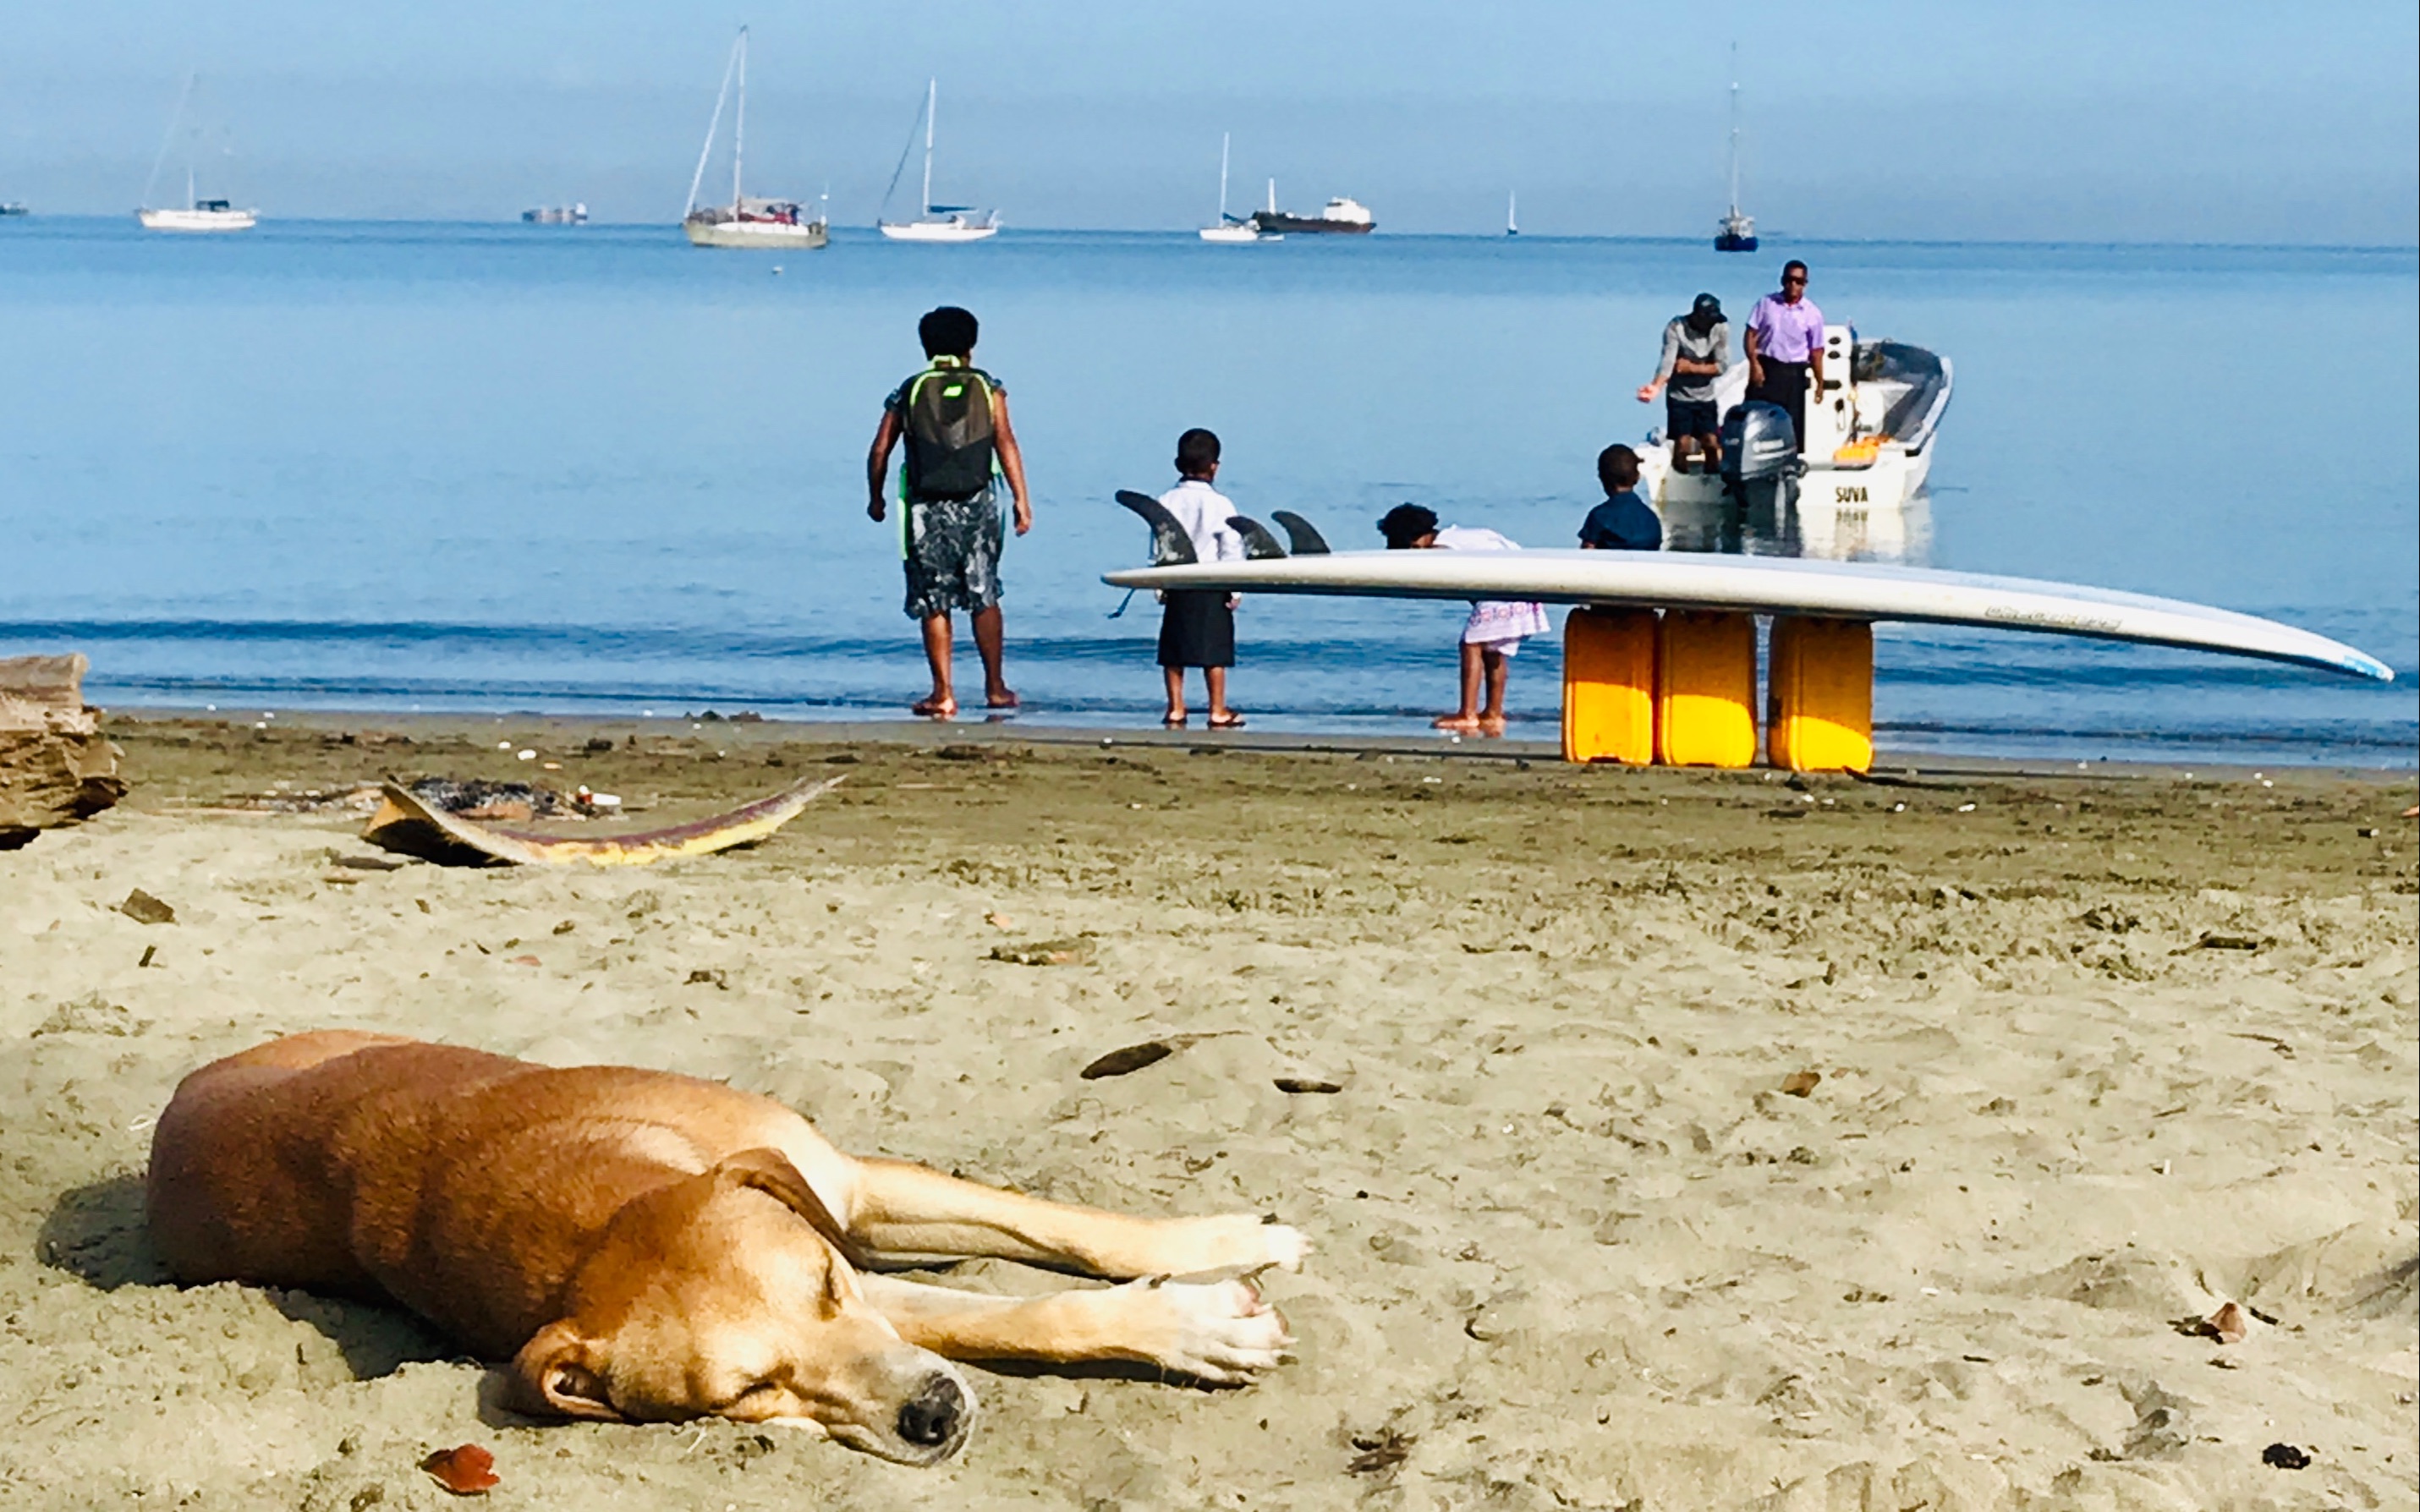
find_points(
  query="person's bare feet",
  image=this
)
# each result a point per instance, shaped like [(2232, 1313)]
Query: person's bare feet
[(935, 706), (1226, 719), (1001, 698), (1174, 719), (1491, 725), (1460, 724)]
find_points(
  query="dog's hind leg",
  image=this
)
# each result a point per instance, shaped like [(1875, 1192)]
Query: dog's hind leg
[(1220, 1332), (902, 1214)]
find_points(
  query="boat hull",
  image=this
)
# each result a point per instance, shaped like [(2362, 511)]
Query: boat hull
[(1725, 241), (198, 220), (936, 231), (757, 236), (1236, 233), (1311, 226)]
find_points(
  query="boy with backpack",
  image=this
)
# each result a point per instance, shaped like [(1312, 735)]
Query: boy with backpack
[(954, 417)]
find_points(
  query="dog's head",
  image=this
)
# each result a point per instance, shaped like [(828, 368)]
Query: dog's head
[(734, 1294)]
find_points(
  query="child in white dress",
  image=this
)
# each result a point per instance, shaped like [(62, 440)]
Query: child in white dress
[(1491, 638)]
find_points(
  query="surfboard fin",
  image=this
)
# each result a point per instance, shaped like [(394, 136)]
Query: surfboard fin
[(1305, 539), (1259, 545), (1170, 546)]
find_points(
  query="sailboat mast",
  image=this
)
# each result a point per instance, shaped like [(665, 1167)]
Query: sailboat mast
[(739, 124), (1735, 128), (712, 125), (932, 97), (1223, 177)]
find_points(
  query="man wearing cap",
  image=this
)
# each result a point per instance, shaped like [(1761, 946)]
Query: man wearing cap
[(1785, 344), (1697, 348)]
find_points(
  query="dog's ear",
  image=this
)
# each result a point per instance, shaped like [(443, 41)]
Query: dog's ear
[(770, 1171), (554, 1375)]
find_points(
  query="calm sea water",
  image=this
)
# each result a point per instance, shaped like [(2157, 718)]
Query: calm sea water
[(591, 469)]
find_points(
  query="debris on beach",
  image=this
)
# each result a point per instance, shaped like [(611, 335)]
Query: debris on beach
[(466, 1470), (416, 825), (1126, 1059), (1801, 1083), (1074, 951), (2227, 1325), (2284, 1457), (1308, 1084), (55, 767), (143, 908), (1380, 1451)]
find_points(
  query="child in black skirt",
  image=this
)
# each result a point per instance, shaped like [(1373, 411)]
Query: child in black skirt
[(1197, 628)]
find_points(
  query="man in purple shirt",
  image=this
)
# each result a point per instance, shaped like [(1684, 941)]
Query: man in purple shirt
[(1785, 344)]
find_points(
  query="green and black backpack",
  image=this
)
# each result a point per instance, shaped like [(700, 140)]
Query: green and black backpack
[(947, 422)]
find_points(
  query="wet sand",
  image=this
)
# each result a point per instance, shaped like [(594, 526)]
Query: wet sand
[(1701, 1140)]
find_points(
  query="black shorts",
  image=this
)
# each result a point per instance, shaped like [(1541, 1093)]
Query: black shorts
[(1690, 417), (1196, 629)]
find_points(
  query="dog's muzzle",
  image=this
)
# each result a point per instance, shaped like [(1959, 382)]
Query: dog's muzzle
[(937, 1418)]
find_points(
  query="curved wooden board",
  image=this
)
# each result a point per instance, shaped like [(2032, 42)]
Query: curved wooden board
[(404, 822), (1772, 585)]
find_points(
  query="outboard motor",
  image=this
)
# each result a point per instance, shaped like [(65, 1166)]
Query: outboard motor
[(1760, 461)]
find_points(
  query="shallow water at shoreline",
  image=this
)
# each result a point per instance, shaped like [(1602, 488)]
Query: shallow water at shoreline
[(332, 465)]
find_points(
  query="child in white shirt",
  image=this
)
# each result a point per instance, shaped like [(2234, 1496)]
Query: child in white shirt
[(1491, 638), (1197, 628)]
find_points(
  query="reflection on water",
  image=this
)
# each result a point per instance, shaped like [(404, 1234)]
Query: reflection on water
[(1774, 525)]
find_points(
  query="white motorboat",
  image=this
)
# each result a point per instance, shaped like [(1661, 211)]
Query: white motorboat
[(1235, 228), (748, 222), (936, 222), (196, 213), (1868, 451)]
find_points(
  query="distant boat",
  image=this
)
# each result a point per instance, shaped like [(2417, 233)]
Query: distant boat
[(1234, 227), (15, 207), (575, 213), (1737, 232), (745, 223), (936, 222), (197, 214), (1340, 216), (1512, 219)]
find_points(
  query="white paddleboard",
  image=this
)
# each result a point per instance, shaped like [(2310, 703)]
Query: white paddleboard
[(1769, 585)]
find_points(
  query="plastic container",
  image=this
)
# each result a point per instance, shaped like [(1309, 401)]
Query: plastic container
[(1610, 686), (1705, 689), (1820, 713)]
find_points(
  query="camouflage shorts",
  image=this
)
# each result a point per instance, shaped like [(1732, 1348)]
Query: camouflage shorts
[(953, 554)]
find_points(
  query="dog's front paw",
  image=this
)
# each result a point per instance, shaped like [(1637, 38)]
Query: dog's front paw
[(1222, 1333), (1234, 1243)]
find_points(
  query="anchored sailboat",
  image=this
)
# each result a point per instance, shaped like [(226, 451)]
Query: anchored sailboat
[(1738, 232), (744, 222), (1511, 215), (935, 223), (1232, 228), (198, 214)]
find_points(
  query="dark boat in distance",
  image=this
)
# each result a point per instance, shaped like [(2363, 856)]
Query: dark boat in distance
[(1341, 216), (575, 213), (15, 207)]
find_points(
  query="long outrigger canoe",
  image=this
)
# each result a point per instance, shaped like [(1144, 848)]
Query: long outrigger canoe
[(1767, 585), (407, 823)]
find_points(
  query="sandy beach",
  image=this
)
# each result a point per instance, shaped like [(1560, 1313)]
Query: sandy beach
[(1698, 1140)]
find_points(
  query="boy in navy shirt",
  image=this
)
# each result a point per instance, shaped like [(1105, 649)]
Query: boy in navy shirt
[(1624, 522)]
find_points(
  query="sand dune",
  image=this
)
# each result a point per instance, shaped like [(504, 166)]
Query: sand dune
[(1697, 1141)]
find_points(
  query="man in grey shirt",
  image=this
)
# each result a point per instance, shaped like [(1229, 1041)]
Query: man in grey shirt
[(1696, 349)]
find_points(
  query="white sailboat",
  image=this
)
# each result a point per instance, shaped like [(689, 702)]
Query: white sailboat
[(1234, 227), (745, 223), (197, 214), (1737, 232), (1511, 215), (936, 222)]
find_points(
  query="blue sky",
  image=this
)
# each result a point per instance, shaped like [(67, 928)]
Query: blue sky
[(2150, 121)]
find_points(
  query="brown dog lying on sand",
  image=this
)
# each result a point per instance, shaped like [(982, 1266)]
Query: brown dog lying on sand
[(646, 1246)]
